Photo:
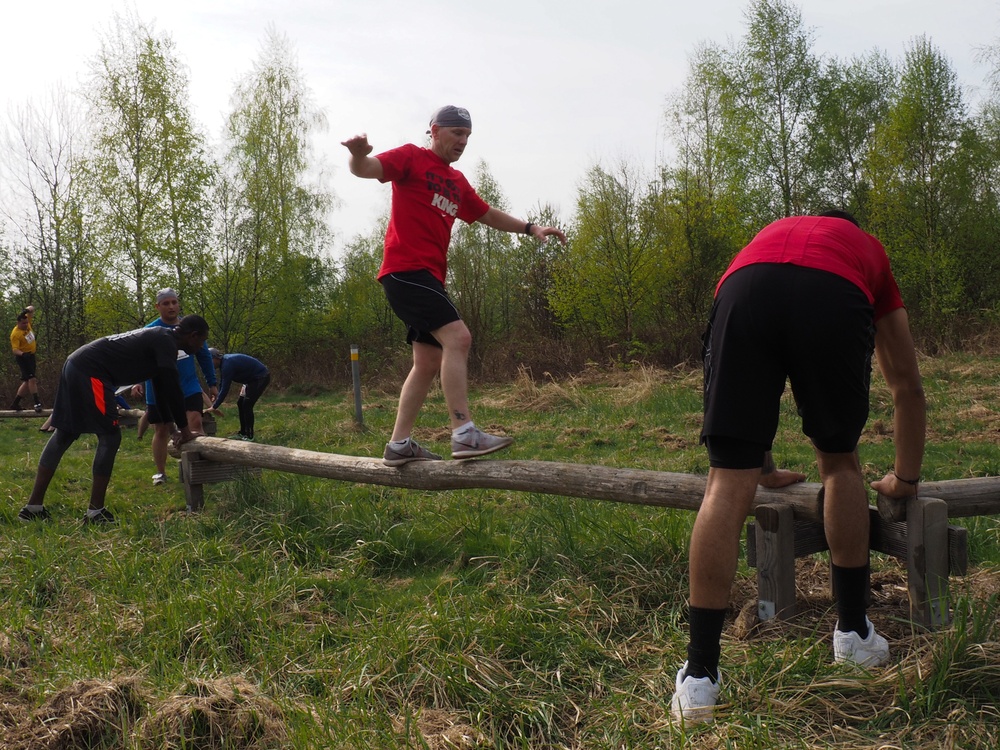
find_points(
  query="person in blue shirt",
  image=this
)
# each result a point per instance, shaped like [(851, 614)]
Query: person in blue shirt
[(169, 307), (255, 377)]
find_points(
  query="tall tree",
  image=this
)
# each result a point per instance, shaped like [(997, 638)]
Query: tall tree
[(770, 100), (359, 310), (700, 216), (483, 279), (852, 99), (605, 282), (279, 212), (916, 171), (535, 264), (147, 171), (52, 266)]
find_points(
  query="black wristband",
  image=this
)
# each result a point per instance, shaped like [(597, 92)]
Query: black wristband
[(527, 227), (911, 482)]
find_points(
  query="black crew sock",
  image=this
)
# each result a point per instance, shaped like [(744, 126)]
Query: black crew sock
[(851, 587), (704, 647)]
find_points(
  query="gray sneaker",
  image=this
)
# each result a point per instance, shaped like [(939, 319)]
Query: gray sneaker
[(475, 442), (412, 451)]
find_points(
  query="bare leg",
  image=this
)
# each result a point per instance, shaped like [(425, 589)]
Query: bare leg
[(426, 364), (845, 508), (715, 539), (161, 438), (455, 341)]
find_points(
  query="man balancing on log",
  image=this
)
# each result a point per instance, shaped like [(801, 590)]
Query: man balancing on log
[(428, 194), (808, 300), (85, 403)]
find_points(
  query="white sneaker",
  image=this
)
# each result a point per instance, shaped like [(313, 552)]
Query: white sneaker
[(865, 652), (694, 698), (159, 478)]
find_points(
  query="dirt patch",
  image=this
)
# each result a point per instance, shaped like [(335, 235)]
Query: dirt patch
[(664, 437)]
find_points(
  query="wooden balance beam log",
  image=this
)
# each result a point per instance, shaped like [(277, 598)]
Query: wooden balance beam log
[(636, 486), (24, 413)]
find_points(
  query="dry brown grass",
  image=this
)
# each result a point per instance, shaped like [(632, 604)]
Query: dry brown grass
[(229, 712), (525, 394), (82, 715), (439, 730), (224, 714)]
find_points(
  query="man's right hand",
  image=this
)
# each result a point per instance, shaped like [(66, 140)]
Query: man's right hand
[(358, 145)]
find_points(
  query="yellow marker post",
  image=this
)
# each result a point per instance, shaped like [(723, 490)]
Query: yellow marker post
[(356, 375)]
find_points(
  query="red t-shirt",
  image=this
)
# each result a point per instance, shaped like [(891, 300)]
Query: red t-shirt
[(827, 244), (427, 196)]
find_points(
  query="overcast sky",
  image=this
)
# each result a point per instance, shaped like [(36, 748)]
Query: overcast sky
[(553, 86)]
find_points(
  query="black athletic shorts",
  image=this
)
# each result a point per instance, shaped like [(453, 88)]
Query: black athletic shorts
[(776, 321), (191, 403), (420, 301), (84, 404), (26, 363)]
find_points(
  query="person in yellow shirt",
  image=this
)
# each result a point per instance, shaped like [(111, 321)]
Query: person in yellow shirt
[(24, 344)]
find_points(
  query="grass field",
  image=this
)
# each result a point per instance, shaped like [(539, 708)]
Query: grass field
[(307, 613)]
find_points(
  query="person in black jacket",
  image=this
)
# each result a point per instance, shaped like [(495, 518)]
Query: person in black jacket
[(85, 403)]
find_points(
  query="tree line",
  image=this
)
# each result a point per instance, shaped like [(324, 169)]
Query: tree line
[(113, 192)]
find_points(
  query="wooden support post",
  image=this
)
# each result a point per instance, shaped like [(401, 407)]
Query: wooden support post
[(194, 494), (927, 561), (196, 472), (775, 545)]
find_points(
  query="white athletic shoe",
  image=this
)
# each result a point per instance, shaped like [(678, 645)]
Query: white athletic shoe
[(865, 652), (159, 478), (694, 698)]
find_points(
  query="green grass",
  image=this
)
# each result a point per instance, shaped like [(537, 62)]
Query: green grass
[(307, 613)]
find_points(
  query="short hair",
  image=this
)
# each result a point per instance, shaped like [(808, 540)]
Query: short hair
[(22, 316), (166, 293), (216, 354), (192, 324), (837, 213)]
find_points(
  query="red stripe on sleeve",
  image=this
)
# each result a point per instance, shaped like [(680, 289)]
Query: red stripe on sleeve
[(98, 388)]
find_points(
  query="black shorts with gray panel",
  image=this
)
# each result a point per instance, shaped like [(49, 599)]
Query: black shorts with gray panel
[(420, 301)]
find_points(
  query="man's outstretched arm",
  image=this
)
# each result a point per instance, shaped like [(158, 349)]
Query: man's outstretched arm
[(498, 219), (361, 163)]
